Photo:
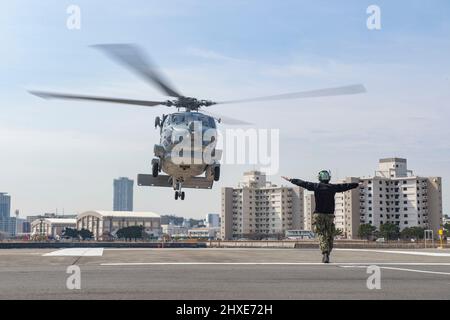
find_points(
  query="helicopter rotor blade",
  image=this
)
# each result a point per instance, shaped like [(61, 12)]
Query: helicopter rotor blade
[(227, 120), (51, 95), (328, 92), (132, 57)]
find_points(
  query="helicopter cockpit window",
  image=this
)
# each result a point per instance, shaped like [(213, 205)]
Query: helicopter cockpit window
[(177, 118), (206, 121), (212, 123), (166, 121)]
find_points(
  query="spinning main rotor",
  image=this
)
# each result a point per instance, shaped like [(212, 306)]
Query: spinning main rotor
[(134, 59)]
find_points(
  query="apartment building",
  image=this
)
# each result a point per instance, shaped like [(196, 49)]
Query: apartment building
[(310, 206), (393, 195), (258, 208)]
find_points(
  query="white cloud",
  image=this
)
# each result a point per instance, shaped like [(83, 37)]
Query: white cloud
[(212, 55)]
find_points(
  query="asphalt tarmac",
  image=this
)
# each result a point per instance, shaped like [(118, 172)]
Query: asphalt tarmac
[(223, 274)]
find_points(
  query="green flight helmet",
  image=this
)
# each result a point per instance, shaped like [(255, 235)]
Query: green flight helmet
[(324, 176)]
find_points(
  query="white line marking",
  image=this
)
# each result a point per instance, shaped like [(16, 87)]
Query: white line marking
[(76, 252), (273, 263), (417, 253), (403, 269), (202, 249), (419, 271)]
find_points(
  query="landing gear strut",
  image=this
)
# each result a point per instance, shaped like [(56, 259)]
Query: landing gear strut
[(178, 193)]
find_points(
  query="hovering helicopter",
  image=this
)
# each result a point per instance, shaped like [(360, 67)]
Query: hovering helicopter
[(183, 169)]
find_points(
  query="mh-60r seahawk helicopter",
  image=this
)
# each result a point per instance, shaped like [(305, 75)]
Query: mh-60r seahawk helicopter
[(184, 169)]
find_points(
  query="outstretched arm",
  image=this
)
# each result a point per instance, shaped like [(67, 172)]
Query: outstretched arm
[(346, 186), (301, 183)]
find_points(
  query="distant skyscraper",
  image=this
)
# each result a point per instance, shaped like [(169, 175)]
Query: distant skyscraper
[(213, 220), (5, 211), (123, 194)]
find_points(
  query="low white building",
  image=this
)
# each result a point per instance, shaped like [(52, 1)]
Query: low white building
[(299, 234), (204, 233), (174, 231), (105, 224), (51, 227)]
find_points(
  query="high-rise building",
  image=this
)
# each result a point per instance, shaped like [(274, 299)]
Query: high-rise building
[(5, 212), (258, 208), (123, 194), (346, 216), (310, 206), (212, 220), (393, 195)]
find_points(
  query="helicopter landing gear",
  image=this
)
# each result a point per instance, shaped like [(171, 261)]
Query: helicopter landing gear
[(179, 194), (216, 173), (155, 167), (155, 170), (212, 172)]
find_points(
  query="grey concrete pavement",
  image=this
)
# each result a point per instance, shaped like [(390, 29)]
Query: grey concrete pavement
[(225, 274)]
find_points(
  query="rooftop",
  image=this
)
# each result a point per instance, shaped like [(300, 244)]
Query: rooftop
[(124, 214), (393, 160)]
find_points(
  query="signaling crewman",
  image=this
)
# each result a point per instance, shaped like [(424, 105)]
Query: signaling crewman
[(323, 217)]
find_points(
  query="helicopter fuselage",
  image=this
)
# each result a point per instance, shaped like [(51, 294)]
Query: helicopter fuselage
[(187, 146)]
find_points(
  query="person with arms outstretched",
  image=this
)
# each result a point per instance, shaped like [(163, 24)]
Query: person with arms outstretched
[(323, 217)]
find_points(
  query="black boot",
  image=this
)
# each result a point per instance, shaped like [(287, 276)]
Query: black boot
[(325, 257)]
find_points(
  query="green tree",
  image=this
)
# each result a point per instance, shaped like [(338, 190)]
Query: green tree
[(338, 232), (412, 233), (389, 231), (85, 234), (71, 233), (366, 231), (133, 232), (447, 229)]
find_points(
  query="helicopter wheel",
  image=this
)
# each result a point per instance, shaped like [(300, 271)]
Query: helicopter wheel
[(182, 195), (216, 173), (176, 195), (155, 169)]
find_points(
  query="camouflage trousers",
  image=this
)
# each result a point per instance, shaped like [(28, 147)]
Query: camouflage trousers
[(323, 226)]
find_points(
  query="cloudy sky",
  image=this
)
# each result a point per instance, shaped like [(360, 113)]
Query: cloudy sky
[(59, 154)]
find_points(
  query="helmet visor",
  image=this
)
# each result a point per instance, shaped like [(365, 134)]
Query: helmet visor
[(324, 175)]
